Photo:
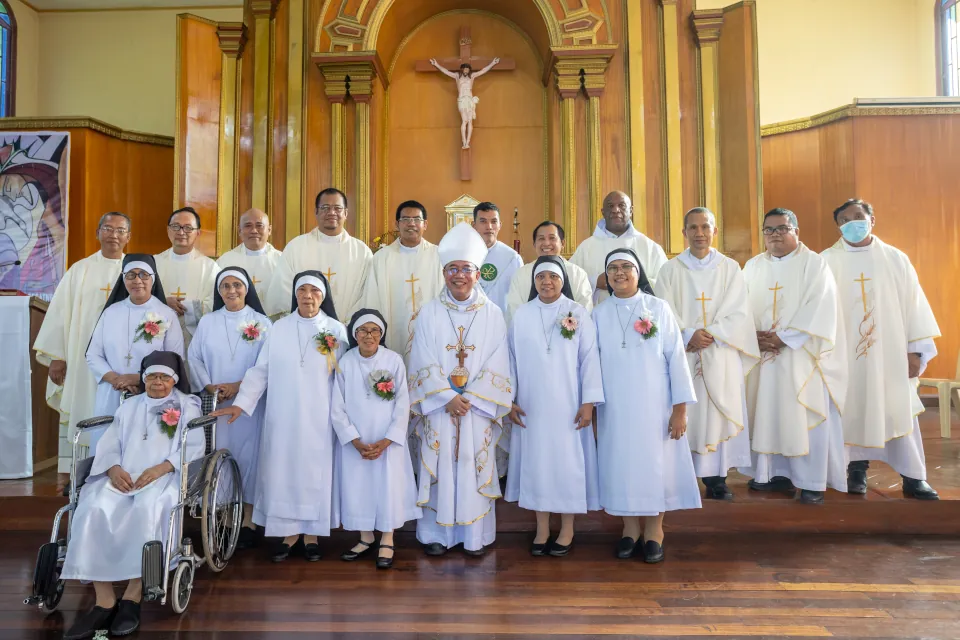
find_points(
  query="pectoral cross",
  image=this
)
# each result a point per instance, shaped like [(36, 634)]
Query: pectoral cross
[(863, 289), (413, 291), (107, 289), (776, 288), (128, 358), (461, 348), (703, 300), (459, 377), (329, 275)]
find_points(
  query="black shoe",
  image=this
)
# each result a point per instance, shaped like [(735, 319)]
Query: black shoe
[(247, 538), (127, 619), (919, 489), (540, 550), (311, 552), (384, 562), (434, 549), (626, 548), (475, 553), (350, 555), (856, 479), (777, 484), (811, 497), (717, 488), (652, 552), (281, 553), (87, 625), (559, 550)]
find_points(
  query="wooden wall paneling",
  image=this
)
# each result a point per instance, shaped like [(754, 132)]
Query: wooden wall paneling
[(46, 421), (583, 213), (316, 125), (149, 181), (614, 136), (280, 64), (739, 130), (689, 109), (554, 197), (350, 143), (104, 173), (381, 217), (76, 224), (245, 127), (198, 117), (837, 181), (653, 121), (792, 178)]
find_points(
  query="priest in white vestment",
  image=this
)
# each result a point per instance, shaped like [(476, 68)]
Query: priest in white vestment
[(501, 262), (134, 324), (62, 341), (795, 395), (127, 498), (556, 368), (890, 329), (226, 345), (548, 240), (371, 409), (343, 260), (616, 231), (188, 274), (646, 467), (254, 254), (708, 296), (297, 492), (460, 383)]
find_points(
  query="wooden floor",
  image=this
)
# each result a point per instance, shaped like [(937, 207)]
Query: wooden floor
[(728, 587)]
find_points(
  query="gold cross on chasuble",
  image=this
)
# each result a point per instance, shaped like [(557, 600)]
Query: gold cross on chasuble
[(107, 289), (413, 291), (329, 275), (863, 289), (179, 295), (776, 291), (254, 280), (703, 300)]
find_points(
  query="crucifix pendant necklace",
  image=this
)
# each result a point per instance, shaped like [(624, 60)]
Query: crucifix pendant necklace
[(129, 355), (623, 327), (303, 346), (236, 343), (548, 335)]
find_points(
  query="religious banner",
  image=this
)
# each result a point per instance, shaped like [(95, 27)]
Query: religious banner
[(34, 171)]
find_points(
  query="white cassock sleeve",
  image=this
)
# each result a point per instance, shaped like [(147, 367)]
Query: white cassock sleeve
[(199, 375), (254, 383), (793, 338), (927, 350), (345, 430), (588, 358), (681, 384), (53, 337), (96, 354)]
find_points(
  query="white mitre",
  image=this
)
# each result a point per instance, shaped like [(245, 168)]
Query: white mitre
[(462, 243)]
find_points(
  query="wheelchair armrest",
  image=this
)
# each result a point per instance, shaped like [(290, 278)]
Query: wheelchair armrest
[(199, 423), (92, 423)]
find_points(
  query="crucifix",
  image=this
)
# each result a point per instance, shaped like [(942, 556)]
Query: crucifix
[(329, 275), (776, 288), (465, 69), (107, 289), (703, 300), (863, 289)]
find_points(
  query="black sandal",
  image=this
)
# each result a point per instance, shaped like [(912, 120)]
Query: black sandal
[(385, 563), (350, 555)]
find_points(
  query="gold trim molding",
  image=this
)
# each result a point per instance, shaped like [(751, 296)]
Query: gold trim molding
[(84, 122), (858, 110)]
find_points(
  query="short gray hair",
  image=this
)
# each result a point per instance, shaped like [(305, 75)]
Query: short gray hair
[(712, 218), (789, 215), (117, 214)]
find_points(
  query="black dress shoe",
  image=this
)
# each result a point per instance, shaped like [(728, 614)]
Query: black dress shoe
[(559, 550), (247, 538), (777, 484), (652, 552), (350, 555), (312, 552), (474, 553), (127, 619), (540, 550), (811, 497), (384, 562), (281, 553), (717, 488), (857, 477), (626, 548), (434, 549), (89, 623), (919, 489)]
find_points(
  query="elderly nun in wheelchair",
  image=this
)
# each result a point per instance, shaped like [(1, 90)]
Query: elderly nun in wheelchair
[(132, 487)]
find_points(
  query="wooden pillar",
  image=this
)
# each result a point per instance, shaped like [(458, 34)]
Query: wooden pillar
[(569, 84), (263, 14), (593, 83), (706, 26), (232, 37), (670, 35), (638, 144), (296, 61), (361, 90), (335, 86)]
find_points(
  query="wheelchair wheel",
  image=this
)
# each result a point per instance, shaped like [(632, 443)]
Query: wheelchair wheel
[(222, 509), (52, 599), (181, 586)]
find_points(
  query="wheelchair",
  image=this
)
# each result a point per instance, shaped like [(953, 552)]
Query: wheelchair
[(210, 489)]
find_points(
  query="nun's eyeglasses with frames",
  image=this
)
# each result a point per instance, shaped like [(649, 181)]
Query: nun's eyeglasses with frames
[(363, 333), (130, 276), (232, 286), (616, 268), (162, 377)]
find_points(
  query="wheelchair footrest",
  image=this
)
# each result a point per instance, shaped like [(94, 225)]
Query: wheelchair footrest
[(45, 573), (152, 570)]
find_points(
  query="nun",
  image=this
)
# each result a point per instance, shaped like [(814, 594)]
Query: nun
[(225, 346), (371, 410), (134, 323), (133, 485), (646, 467), (556, 366), (296, 490)]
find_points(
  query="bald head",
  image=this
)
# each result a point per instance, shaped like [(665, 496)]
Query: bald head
[(254, 229), (617, 212)]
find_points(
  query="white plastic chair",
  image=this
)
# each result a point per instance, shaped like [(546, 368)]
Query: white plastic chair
[(946, 389)]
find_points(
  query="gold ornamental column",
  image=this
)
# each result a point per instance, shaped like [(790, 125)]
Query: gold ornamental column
[(361, 90), (569, 84), (670, 37), (233, 37), (295, 84), (335, 86), (706, 26), (263, 14), (593, 84)]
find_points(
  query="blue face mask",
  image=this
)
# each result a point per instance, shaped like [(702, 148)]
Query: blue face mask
[(855, 231)]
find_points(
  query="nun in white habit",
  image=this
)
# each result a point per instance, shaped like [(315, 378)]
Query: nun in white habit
[(556, 366), (646, 467), (135, 322), (226, 344), (296, 482), (371, 410), (133, 484)]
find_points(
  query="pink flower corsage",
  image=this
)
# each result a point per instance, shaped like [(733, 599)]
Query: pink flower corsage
[(251, 331), (152, 326), (646, 327), (169, 419), (383, 385), (568, 326), (326, 342)]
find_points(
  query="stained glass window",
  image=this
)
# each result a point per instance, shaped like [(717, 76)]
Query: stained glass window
[(8, 39), (949, 46)]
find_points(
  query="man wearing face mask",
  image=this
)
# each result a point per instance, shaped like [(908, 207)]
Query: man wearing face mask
[(890, 332)]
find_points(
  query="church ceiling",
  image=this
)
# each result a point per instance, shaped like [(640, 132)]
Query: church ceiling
[(94, 5)]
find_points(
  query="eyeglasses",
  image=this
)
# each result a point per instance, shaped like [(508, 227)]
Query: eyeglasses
[(110, 231), (327, 208), (374, 333), (467, 271), (781, 230), (161, 377), (232, 286), (130, 276), (407, 220), (177, 228), (615, 268)]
